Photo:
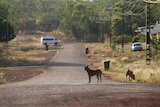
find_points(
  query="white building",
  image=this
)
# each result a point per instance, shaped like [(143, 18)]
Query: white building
[(154, 29)]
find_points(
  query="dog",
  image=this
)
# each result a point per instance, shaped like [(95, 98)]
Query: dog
[(130, 75), (91, 73)]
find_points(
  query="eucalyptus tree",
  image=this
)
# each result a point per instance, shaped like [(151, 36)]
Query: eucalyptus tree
[(129, 15), (32, 15), (6, 29), (80, 21)]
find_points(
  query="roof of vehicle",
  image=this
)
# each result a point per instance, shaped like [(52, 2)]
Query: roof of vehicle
[(136, 43), (49, 37)]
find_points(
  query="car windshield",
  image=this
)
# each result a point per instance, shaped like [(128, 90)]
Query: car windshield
[(137, 44)]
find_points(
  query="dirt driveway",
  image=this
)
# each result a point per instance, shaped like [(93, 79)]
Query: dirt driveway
[(64, 83)]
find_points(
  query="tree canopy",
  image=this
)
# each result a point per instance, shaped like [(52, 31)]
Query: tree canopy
[(83, 19), (6, 30)]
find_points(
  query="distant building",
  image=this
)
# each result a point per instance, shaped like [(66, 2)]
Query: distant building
[(154, 29)]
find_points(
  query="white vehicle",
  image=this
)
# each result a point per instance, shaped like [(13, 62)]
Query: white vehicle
[(137, 46), (50, 40)]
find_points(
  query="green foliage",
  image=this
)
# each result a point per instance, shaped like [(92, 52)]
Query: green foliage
[(139, 76), (113, 47), (127, 16), (31, 15), (135, 39), (86, 21), (155, 43), (157, 57), (79, 21), (126, 39), (6, 30), (138, 38)]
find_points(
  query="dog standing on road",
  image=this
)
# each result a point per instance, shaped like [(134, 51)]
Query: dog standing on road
[(130, 75), (90, 72)]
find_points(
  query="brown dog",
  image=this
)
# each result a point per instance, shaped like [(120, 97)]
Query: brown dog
[(130, 74), (90, 72)]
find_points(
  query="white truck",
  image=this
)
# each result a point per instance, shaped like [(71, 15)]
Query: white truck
[(50, 41)]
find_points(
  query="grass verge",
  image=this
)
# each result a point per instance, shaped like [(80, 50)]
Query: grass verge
[(121, 61), (24, 50)]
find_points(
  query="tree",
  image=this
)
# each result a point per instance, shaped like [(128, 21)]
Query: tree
[(129, 15), (77, 18), (6, 30), (80, 20)]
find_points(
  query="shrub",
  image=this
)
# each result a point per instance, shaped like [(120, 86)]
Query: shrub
[(139, 76), (126, 39), (135, 39), (113, 47), (4, 61), (138, 38), (2, 79), (157, 57)]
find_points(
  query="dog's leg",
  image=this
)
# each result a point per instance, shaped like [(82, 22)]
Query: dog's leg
[(129, 78), (98, 78), (89, 79), (126, 78)]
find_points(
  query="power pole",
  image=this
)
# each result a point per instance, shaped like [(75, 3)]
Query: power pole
[(148, 50), (123, 28), (108, 18), (110, 24)]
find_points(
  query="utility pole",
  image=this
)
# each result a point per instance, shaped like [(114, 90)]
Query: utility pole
[(109, 19), (148, 50), (7, 34), (110, 28), (123, 28)]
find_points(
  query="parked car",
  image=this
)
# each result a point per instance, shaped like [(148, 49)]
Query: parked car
[(50, 40), (137, 46)]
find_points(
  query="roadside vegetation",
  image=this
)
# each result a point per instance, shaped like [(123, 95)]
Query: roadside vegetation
[(85, 20), (21, 51), (121, 61), (24, 50)]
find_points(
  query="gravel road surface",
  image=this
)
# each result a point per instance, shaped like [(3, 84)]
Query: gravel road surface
[(64, 83)]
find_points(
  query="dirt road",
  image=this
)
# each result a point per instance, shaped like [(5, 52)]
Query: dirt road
[(64, 83)]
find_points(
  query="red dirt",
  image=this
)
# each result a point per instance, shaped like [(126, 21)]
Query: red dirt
[(20, 74)]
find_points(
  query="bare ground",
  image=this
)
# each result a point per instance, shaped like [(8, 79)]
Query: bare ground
[(16, 74), (87, 95)]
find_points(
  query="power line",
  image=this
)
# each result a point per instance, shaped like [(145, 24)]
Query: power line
[(133, 10)]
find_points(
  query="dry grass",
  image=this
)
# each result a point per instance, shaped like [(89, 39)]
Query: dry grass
[(2, 79), (121, 61), (23, 50)]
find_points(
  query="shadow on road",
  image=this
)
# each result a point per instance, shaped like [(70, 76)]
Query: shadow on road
[(64, 64)]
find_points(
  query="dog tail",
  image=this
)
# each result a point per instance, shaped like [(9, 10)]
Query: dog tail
[(102, 73)]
